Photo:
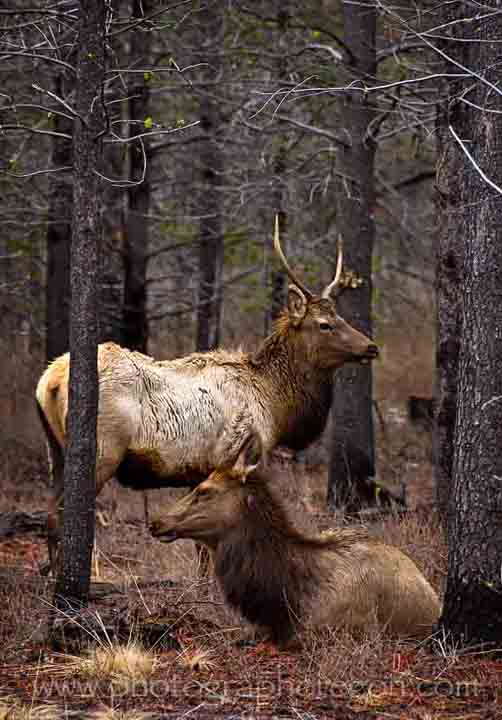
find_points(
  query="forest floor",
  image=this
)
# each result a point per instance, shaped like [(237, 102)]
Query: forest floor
[(210, 668)]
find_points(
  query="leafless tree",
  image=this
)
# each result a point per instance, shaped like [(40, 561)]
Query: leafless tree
[(136, 245), (211, 30), (73, 580), (470, 344), (352, 460)]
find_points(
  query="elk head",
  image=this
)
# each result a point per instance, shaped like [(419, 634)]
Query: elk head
[(214, 507), (317, 327)]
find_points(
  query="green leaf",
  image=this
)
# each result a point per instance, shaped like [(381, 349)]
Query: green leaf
[(316, 34), (148, 123), (147, 76)]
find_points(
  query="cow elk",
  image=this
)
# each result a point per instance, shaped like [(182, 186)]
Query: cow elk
[(171, 423), (285, 580)]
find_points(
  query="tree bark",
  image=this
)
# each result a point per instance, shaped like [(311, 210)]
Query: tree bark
[(277, 280), (352, 453), (472, 611), (72, 585), (211, 197), (451, 197), (57, 298), (135, 331)]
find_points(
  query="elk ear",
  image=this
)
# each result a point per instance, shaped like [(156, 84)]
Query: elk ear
[(249, 457), (297, 304)]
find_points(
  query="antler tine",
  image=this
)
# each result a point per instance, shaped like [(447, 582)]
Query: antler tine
[(278, 249), (333, 286)]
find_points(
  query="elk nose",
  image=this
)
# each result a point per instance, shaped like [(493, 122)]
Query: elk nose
[(372, 350), (155, 526)]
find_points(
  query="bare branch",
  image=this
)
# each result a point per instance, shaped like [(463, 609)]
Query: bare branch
[(35, 56), (27, 128), (335, 54), (481, 172), (33, 106), (415, 179), (312, 129), (442, 53), (57, 99), (398, 48), (46, 171), (149, 17), (35, 11), (129, 183), (151, 133)]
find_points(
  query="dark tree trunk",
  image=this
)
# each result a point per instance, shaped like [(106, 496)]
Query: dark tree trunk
[(451, 197), (211, 197), (72, 585), (278, 281), (136, 241), (472, 609), (57, 300), (352, 453)]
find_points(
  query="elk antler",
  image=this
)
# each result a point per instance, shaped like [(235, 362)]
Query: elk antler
[(333, 286), (282, 258)]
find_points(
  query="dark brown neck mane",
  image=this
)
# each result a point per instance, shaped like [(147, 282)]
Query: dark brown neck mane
[(266, 567), (304, 389)]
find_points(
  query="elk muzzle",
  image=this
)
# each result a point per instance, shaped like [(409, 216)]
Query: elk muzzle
[(371, 353), (163, 529)]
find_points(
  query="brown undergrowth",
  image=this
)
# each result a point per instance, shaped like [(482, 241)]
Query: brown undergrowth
[(214, 665)]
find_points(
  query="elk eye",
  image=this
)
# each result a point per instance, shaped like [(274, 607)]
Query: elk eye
[(325, 327)]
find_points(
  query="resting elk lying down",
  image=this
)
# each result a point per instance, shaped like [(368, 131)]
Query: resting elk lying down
[(171, 423), (282, 579)]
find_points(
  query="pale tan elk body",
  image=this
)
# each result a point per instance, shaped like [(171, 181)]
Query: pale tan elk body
[(170, 423), (284, 580)]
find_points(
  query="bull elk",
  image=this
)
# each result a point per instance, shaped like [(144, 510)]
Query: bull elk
[(284, 580), (171, 423)]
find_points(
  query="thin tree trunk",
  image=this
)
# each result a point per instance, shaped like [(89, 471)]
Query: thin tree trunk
[(72, 586), (278, 284), (473, 594), (352, 454), (57, 299), (135, 331), (211, 205)]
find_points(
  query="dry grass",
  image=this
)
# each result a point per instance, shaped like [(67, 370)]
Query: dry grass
[(117, 714), (211, 676), (196, 659), (335, 674), (12, 709), (113, 662)]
